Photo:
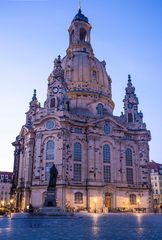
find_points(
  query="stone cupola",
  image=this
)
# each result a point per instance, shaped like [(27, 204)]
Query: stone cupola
[(87, 80), (79, 35), (131, 104)]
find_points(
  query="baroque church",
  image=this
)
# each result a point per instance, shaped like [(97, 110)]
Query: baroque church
[(101, 158)]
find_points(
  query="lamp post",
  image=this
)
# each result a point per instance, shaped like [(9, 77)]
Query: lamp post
[(11, 204), (2, 203), (138, 202), (95, 201)]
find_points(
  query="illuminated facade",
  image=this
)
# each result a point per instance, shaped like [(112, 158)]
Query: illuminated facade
[(156, 182), (101, 158), (5, 187)]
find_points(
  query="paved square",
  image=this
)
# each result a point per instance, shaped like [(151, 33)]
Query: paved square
[(82, 226)]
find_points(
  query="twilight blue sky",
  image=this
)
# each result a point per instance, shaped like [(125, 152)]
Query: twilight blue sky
[(126, 33)]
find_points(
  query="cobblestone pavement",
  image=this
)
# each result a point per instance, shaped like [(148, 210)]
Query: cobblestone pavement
[(82, 227)]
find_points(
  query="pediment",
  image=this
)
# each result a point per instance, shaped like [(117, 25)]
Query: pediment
[(109, 119), (41, 124)]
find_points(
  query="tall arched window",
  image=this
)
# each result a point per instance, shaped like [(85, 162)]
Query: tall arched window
[(83, 35), (94, 75), (107, 173), (128, 157), (129, 175), (130, 117), (68, 74), (52, 103), (106, 153), (47, 170), (100, 109), (77, 151), (50, 150), (78, 197), (72, 37)]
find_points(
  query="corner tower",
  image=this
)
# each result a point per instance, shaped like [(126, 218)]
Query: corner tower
[(87, 81), (131, 113)]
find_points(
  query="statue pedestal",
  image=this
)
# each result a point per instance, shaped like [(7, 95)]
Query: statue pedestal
[(50, 199), (50, 205), (53, 211)]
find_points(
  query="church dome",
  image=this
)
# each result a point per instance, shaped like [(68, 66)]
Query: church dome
[(85, 75), (80, 17)]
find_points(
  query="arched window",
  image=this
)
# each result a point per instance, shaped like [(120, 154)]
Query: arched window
[(68, 74), (94, 75), (100, 109), (47, 170), (82, 35), (106, 128), (130, 117), (132, 199), (50, 150), (77, 151), (52, 104), (106, 153), (78, 197), (128, 157), (72, 37), (129, 175), (107, 173), (77, 172)]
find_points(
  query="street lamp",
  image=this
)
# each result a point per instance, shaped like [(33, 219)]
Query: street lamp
[(95, 201), (11, 204), (138, 202), (2, 203)]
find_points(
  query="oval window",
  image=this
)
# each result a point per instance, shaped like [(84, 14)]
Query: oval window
[(50, 124), (106, 128)]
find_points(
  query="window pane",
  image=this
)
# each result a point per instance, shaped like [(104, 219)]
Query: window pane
[(47, 170), (94, 75), (132, 199), (100, 109), (129, 172), (107, 174), (130, 117), (128, 156), (52, 105), (106, 128), (77, 130), (77, 151), (106, 153), (50, 150), (77, 172), (78, 197)]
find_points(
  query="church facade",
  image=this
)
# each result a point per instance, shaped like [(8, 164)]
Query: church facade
[(101, 159)]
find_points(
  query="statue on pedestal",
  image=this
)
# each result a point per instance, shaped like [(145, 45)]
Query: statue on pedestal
[(50, 199)]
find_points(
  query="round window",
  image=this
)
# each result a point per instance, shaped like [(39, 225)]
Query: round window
[(50, 124), (106, 128)]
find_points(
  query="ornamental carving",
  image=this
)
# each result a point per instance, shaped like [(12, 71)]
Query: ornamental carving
[(58, 72)]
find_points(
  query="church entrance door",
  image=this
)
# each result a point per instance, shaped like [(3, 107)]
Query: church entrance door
[(108, 201)]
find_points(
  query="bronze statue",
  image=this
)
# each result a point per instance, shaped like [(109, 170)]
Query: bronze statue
[(53, 177)]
